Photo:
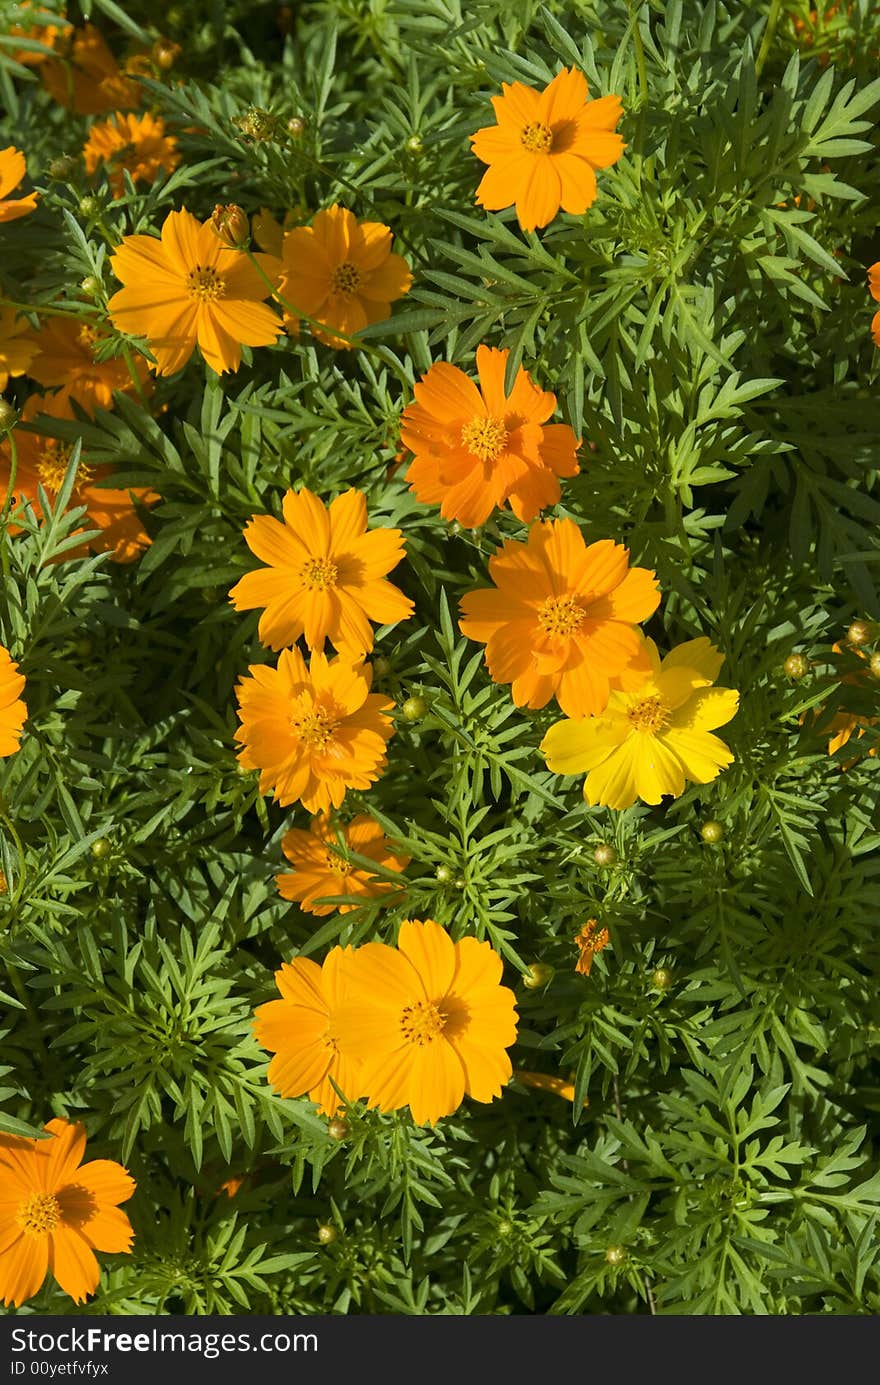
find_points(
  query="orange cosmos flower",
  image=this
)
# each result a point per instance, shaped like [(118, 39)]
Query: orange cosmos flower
[(474, 448), (312, 732), (43, 461), (66, 351), (341, 272), (326, 574), (13, 708), (874, 290), (430, 1020), (136, 144), (46, 33), (561, 620), (300, 1029), (589, 939), (12, 170), (55, 1212), (545, 149), (17, 348), (87, 78), (190, 288), (321, 869), (844, 724)]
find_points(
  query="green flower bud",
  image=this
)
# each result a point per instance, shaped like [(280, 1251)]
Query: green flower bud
[(605, 855)]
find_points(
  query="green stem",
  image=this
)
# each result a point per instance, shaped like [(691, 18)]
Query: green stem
[(769, 36)]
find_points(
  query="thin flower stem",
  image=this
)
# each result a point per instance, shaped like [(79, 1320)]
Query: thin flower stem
[(640, 57), (42, 309), (769, 36)]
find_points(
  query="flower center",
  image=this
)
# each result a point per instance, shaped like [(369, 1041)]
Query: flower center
[(485, 438), (319, 573), (649, 715), (41, 1213), (560, 615), (315, 729), (422, 1022), (205, 284), (346, 278), (52, 469), (337, 865), (537, 137)]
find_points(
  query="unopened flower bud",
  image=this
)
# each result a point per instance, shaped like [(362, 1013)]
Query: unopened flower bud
[(326, 1234), (539, 974), (875, 665), (337, 1130), (414, 708), (101, 848), (661, 978), (858, 633), (231, 224), (615, 1255), (712, 831), (89, 207), (91, 285), (296, 127), (443, 874), (414, 144), (8, 416), (797, 666), (605, 855), (257, 124), (165, 53), (63, 168)]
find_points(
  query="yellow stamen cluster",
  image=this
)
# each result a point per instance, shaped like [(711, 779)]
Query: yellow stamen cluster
[(315, 729), (537, 137), (346, 278), (485, 438), (39, 1214), (560, 615), (205, 283), (649, 715), (319, 573), (422, 1022)]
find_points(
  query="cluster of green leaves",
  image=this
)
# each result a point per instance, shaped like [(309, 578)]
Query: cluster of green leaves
[(706, 328)]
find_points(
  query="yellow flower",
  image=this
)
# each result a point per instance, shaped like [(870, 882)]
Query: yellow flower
[(13, 709), (321, 871), (651, 738), (86, 77), (187, 288), (12, 170), (17, 347), (137, 144), (342, 273), (314, 732), (326, 574), (430, 1020)]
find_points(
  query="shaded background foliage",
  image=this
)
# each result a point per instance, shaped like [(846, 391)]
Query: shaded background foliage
[(706, 330)]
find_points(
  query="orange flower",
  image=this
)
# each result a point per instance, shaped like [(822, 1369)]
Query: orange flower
[(322, 870), (545, 149), (190, 288), (430, 1020), (13, 708), (474, 448), (136, 144), (42, 461), (562, 620), (87, 79), (588, 942), (66, 356), (312, 732), (326, 574), (341, 272), (300, 1029), (874, 290), (55, 1212), (17, 348), (12, 170), (46, 33), (844, 724)]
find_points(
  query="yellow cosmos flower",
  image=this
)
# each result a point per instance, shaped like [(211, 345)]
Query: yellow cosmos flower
[(300, 1029), (321, 871), (56, 1211), (652, 739), (137, 144), (13, 709), (12, 170), (342, 273), (17, 347), (65, 356), (326, 574), (188, 288), (312, 732), (431, 1021)]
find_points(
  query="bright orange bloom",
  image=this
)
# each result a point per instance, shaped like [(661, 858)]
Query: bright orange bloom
[(326, 574), (561, 619), (12, 170), (322, 871), (42, 461), (190, 288), (843, 724), (874, 289), (66, 357), (544, 151), (17, 348), (430, 1020), (13, 708), (136, 144), (545, 1083), (475, 449), (341, 272), (589, 939), (45, 33), (312, 732), (300, 1029), (55, 1212), (87, 79)]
